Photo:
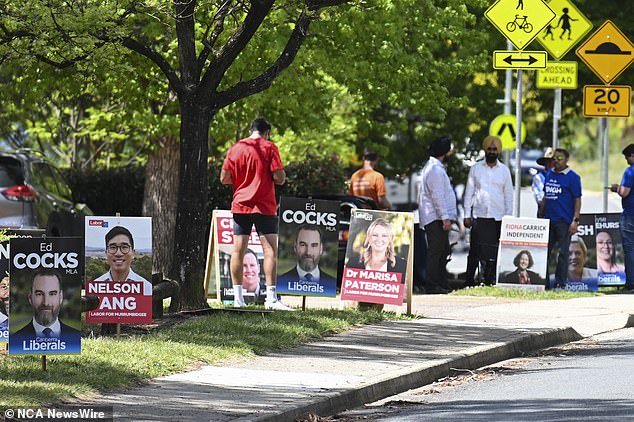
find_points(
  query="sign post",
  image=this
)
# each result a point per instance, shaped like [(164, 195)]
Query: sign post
[(607, 52), (565, 31), (520, 23)]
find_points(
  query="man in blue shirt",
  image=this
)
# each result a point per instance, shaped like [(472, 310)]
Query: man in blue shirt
[(627, 218), (561, 205)]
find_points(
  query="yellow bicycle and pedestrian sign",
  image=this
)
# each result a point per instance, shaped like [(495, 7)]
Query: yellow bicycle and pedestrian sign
[(520, 21)]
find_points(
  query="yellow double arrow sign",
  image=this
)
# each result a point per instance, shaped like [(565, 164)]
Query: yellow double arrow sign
[(512, 59)]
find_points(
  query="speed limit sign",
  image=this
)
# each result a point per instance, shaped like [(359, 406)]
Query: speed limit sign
[(607, 101)]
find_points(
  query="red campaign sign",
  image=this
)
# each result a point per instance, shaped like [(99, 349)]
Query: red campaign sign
[(225, 232), (120, 303), (372, 286)]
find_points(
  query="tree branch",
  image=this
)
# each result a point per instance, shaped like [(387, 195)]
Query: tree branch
[(266, 78), (165, 67), (218, 26), (314, 5), (216, 71), (190, 72)]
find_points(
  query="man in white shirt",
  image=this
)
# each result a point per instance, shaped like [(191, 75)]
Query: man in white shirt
[(488, 197), (538, 180), (437, 211)]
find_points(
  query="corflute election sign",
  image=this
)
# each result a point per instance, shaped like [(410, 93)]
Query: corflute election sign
[(308, 245), (46, 277), (119, 267)]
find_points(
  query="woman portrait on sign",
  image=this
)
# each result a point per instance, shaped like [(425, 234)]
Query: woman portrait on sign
[(606, 254), (578, 257), (522, 275), (378, 250)]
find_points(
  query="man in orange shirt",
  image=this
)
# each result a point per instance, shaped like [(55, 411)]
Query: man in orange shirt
[(369, 182)]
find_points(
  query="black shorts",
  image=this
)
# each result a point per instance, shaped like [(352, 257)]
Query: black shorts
[(264, 224)]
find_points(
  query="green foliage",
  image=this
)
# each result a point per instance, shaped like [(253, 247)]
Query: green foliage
[(143, 265), (312, 174), (108, 191), (95, 267), (220, 195), (315, 175)]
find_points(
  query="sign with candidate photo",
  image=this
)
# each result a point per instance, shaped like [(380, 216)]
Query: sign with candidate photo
[(4, 276), (523, 253), (46, 282), (219, 271), (119, 269), (308, 247), (376, 263), (595, 254), (600, 249)]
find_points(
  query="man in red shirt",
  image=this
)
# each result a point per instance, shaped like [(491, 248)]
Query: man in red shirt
[(253, 166)]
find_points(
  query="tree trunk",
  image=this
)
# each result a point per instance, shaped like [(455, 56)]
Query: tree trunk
[(191, 209), (159, 202)]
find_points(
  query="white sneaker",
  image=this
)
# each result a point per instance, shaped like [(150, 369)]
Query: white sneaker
[(276, 305), (239, 304)]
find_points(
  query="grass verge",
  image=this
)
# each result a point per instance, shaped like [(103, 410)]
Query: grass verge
[(525, 294), (107, 363)]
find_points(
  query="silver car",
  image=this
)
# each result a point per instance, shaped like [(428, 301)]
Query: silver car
[(34, 194)]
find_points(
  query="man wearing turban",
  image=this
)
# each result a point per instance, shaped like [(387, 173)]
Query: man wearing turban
[(488, 197)]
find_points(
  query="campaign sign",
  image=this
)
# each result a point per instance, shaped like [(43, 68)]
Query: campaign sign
[(114, 245), (523, 253), (4, 277), (253, 281), (308, 246), (596, 254), (46, 277), (609, 250), (582, 269), (377, 256)]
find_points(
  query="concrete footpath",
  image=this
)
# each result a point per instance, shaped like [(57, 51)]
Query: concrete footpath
[(371, 362)]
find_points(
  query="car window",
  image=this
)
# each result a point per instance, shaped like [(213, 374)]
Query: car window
[(10, 172), (44, 179), (62, 186)]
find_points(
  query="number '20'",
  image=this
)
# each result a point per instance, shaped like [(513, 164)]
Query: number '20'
[(613, 96)]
